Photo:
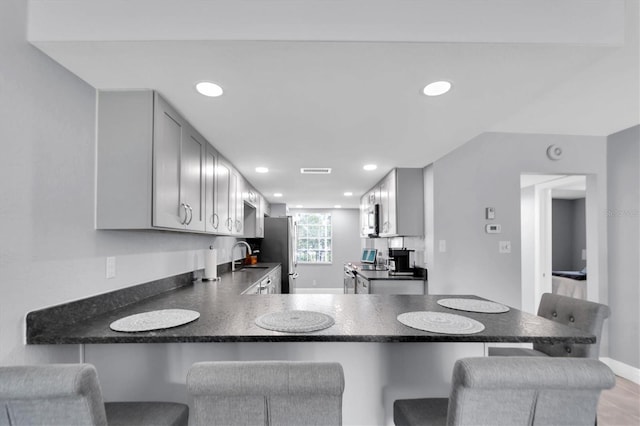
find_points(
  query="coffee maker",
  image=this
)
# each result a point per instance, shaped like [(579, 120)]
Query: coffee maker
[(400, 261)]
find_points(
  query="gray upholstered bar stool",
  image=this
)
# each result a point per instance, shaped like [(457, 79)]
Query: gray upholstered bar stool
[(582, 314), (513, 391), (70, 394), (265, 393)]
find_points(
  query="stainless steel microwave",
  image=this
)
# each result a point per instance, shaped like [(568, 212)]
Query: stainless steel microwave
[(373, 221)]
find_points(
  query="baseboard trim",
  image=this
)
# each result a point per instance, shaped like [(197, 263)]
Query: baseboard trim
[(623, 370)]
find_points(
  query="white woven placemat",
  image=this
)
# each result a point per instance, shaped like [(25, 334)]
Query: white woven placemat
[(154, 320), (440, 322), (474, 305), (295, 321)]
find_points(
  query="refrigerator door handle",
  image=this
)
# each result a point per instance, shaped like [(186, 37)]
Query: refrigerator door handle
[(293, 275)]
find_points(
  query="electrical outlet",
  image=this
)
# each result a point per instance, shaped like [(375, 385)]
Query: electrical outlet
[(314, 283), (442, 246), (111, 267), (584, 254), (504, 246)]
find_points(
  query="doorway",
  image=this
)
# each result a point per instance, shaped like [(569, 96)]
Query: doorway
[(539, 194)]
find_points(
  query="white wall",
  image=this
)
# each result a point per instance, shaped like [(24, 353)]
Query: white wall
[(485, 172), (49, 250), (345, 224), (623, 213)]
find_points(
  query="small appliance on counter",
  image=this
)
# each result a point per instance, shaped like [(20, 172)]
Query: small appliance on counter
[(400, 261), (369, 260)]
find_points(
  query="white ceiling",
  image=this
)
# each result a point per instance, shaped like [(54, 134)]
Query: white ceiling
[(303, 89)]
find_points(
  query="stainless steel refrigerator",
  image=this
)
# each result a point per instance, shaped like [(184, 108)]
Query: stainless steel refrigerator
[(279, 245)]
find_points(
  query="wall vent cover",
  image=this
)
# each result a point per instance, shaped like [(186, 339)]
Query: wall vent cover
[(315, 170)]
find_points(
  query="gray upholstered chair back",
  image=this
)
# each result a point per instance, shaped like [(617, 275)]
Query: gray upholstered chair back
[(582, 314), (53, 394), (265, 393), (527, 391)]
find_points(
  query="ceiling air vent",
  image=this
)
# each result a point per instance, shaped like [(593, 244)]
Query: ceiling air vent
[(315, 170)]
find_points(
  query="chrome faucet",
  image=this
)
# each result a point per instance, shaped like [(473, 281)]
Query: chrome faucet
[(233, 262)]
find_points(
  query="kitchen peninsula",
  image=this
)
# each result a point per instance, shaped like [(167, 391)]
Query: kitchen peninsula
[(383, 359), (228, 316)]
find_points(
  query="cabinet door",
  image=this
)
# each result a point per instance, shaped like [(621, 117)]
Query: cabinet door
[(364, 215), (259, 216), (238, 223), (191, 179), (233, 201), (362, 285), (212, 219), (384, 207), (168, 212), (389, 219), (223, 185)]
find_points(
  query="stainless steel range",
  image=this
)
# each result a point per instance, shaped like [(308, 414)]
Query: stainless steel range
[(349, 279)]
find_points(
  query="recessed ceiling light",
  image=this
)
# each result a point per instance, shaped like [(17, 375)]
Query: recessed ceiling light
[(262, 170), (299, 206), (370, 167), (277, 194), (437, 88), (208, 88), (337, 206), (348, 194)]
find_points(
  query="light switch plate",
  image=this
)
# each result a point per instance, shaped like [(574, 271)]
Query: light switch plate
[(504, 246), (442, 246), (490, 213)]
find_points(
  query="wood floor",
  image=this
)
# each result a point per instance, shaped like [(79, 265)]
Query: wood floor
[(620, 406)]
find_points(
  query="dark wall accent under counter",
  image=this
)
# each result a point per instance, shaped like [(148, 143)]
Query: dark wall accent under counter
[(73, 312)]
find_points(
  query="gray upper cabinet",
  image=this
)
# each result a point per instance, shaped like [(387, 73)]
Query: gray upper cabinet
[(400, 197), (238, 199), (155, 171), (212, 218), (178, 171), (150, 165), (223, 205)]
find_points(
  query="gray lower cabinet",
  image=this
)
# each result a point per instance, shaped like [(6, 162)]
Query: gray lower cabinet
[(362, 285), (270, 284), (276, 280), (398, 287), (389, 286)]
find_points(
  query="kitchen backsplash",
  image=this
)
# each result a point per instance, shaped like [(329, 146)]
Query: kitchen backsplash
[(412, 243)]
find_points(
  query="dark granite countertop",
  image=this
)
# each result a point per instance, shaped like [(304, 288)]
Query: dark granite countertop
[(384, 274), (227, 316)]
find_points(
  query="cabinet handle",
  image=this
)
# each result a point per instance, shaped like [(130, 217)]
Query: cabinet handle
[(190, 213), (230, 224), (186, 214), (238, 225), (215, 221)]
